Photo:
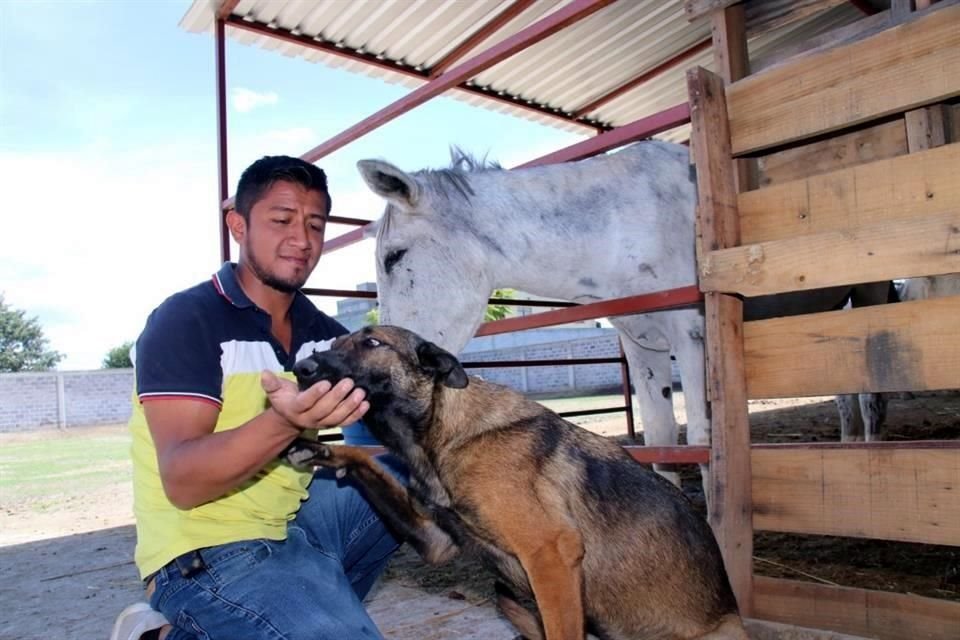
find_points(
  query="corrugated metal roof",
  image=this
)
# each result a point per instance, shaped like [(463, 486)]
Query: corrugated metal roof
[(566, 71)]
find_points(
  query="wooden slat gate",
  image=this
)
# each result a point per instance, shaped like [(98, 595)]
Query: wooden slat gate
[(823, 219)]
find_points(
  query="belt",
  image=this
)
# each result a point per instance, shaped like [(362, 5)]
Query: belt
[(187, 565)]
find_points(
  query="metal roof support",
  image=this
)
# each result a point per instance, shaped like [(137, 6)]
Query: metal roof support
[(644, 303), (226, 8), (481, 34), (643, 78), (540, 30), (220, 64), (636, 130)]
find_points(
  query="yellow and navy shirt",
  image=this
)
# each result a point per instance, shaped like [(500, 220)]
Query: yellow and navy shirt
[(210, 343)]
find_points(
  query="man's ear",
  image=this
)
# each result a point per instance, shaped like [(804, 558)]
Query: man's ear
[(237, 226), (443, 365)]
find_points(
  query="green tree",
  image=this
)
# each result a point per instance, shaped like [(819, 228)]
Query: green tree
[(118, 357), (493, 312), (23, 347)]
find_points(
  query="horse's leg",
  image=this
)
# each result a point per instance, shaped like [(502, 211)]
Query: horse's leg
[(851, 423), (649, 366), (870, 409), (686, 340), (873, 409)]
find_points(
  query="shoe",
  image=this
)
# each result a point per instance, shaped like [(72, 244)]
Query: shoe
[(136, 620)]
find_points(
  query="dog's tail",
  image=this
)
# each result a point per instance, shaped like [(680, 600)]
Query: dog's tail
[(525, 621)]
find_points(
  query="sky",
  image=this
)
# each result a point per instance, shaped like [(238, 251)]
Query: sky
[(108, 158)]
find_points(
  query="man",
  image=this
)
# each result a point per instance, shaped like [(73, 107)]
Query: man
[(224, 544)]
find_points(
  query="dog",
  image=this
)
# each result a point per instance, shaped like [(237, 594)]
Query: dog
[(562, 515)]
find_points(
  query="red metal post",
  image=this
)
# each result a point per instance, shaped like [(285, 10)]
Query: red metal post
[(224, 186), (627, 394)]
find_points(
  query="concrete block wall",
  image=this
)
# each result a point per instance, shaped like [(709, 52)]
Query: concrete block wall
[(554, 379), (33, 400)]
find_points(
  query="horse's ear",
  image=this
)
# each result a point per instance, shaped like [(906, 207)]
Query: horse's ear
[(443, 365), (391, 183)]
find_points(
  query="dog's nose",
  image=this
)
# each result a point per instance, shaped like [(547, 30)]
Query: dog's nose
[(305, 368)]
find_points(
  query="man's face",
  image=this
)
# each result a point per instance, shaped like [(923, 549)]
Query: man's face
[(284, 237)]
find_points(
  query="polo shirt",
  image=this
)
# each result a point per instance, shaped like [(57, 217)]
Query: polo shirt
[(210, 343)]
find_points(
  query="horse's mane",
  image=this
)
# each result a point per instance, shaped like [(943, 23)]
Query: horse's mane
[(457, 175)]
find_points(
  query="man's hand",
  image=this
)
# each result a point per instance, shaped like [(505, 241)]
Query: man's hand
[(318, 407)]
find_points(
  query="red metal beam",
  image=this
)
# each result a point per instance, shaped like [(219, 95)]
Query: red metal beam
[(658, 301), (540, 30), (220, 63), (344, 240), (636, 130), (389, 65), (643, 78), (669, 455), (481, 34), (285, 35), (358, 222), (225, 9)]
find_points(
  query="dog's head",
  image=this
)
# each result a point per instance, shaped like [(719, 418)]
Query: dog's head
[(398, 369)]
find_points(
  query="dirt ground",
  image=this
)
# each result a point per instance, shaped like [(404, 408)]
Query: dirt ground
[(65, 555)]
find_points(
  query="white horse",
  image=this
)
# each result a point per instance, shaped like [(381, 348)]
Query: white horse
[(605, 227)]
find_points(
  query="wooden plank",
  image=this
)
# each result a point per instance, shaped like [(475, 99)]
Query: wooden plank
[(696, 8), (927, 127), (879, 142), (893, 71), (766, 15), (908, 346), (718, 226), (894, 494), (860, 612), (883, 251), (899, 188)]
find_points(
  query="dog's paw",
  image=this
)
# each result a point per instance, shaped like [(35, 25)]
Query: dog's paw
[(306, 454)]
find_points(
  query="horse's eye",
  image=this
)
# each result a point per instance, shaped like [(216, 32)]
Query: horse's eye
[(371, 342), (392, 259)]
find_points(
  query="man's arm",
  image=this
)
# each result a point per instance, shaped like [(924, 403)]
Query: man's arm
[(198, 465)]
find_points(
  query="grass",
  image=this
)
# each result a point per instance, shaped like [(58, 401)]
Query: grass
[(51, 463), (39, 468)]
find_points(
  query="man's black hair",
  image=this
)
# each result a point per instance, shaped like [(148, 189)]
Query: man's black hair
[(261, 175)]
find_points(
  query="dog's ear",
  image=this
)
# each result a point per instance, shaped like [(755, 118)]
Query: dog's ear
[(442, 364)]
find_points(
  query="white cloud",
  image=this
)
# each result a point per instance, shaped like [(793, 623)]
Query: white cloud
[(246, 100)]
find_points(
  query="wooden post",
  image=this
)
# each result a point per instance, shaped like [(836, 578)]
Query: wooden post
[(718, 226), (732, 62)]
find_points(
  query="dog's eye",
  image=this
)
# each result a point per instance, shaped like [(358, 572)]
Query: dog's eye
[(371, 342)]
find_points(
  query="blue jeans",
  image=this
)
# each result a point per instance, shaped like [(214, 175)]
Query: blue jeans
[(309, 586)]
